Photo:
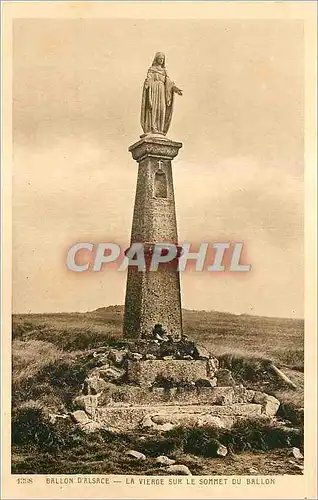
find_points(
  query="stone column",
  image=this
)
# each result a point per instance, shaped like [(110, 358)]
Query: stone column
[(153, 297)]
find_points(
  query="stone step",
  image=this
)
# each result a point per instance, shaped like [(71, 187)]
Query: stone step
[(165, 417), (136, 395), (146, 372)]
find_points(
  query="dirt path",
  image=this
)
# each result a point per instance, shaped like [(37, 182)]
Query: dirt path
[(276, 462)]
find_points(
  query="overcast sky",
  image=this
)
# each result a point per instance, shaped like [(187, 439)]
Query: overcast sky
[(239, 176)]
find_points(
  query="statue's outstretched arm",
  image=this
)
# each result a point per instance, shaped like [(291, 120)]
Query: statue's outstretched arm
[(177, 90), (173, 86)]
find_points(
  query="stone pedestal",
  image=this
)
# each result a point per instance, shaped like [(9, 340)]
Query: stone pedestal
[(130, 391), (153, 297), (165, 417)]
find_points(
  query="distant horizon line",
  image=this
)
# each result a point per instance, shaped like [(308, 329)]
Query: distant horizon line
[(183, 309)]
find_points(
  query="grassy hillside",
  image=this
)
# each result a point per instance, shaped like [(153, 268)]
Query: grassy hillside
[(52, 354), (280, 339)]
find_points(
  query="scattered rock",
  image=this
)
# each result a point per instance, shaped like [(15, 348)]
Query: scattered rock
[(135, 356), (224, 378), (100, 350), (166, 427), (295, 452), (163, 460), (90, 426), (159, 419), (147, 423), (54, 418), (79, 417), (179, 470), (101, 358), (252, 470), (117, 356), (300, 467), (150, 356), (158, 390), (110, 374), (269, 403), (167, 358), (136, 454), (221, 450), (295, 465), (93, 385), (87, 403)]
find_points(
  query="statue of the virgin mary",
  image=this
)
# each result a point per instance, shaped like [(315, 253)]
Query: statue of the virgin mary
[(157, 98)]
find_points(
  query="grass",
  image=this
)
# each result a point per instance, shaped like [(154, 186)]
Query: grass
[(68, 331), (245, 435), (48, 375), (53, 352), (278, 339), (42, 447)]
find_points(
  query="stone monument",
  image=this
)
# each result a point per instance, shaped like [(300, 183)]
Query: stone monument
[(156, 378), (153, 297)]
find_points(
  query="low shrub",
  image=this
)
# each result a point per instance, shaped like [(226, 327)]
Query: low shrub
[(292, 412), (245, 435), (53, 381), (246, 368), (260, 435), (31, 427), (163, 444)]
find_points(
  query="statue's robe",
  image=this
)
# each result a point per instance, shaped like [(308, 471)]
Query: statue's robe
[(157, 101)]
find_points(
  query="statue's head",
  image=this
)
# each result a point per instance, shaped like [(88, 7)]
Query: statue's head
[(159, 59)]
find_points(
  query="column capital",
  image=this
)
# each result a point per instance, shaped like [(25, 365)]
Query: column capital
[(155, 146)]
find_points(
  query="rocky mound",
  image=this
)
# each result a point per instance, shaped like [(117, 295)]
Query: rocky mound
[(161, 384)]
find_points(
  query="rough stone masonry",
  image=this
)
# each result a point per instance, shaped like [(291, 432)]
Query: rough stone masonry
[(153, 297)]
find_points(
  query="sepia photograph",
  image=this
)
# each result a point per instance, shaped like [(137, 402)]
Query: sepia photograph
[(158, 251)]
